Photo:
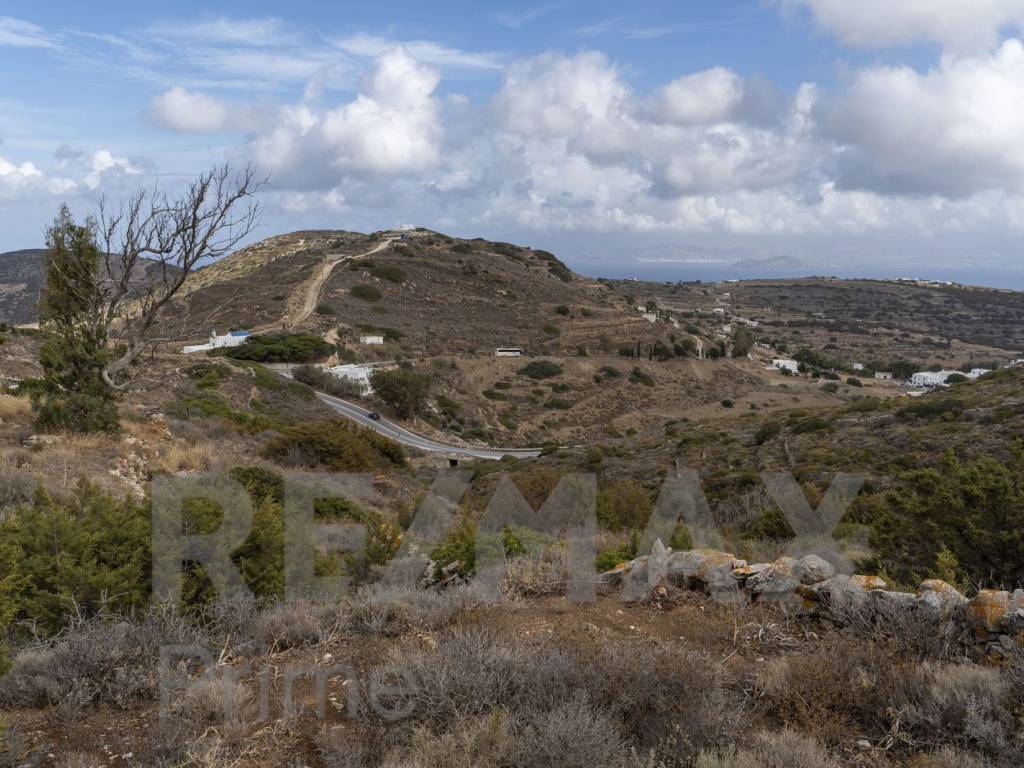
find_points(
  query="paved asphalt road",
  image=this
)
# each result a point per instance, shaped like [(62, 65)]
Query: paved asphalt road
[(405, 437)]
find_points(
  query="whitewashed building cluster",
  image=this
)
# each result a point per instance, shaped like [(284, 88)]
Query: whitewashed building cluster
[(230, 339)]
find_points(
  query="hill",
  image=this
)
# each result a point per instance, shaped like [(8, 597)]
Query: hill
[(22, 275), (21, 281)]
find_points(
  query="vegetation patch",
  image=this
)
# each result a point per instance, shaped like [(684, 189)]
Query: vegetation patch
[(365, 292), (281, 348), (335, 446), (541, 369)]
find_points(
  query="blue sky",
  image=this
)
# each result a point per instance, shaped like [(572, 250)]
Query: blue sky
[(883, 132)]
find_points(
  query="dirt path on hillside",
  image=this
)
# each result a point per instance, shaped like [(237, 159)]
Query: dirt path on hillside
[(313, 290)]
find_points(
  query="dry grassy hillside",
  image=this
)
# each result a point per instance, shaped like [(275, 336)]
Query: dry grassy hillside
[(438, 295), (859, 320)]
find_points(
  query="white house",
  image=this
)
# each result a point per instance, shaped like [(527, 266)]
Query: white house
[(650, 317), (372, 339), (230, 339), (784, 364), (406, 227), (976, 372), (718, 310), (883, 375), (858, 366), (931, 379), (508, 352)]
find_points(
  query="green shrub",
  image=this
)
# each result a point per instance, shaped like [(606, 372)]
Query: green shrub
[(551, 330), (541, 369), (623, 505), (811, 424), (365, 292), (558, 403), (390, 273), (831, 387), (490, 394), (458, 547), (281, 348), (637, 376), (932, 408), (75, 554), (853, 381), (403, 389), (767, 431), (324, 309), (727, 403), (336, 446), (210, 404), (208, 375), (563, 310)]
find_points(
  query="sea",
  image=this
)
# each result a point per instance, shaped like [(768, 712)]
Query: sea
[(1011, 278)]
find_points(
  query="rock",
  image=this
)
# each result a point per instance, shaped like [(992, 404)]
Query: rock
[(744, 572), (841, 591), (647, 577), (939, 595), (905, 600), (869, 583), (863, 745), (1013, 621), (777, 580), (704, 566), (987, 610), (811, 569), (38, 441)]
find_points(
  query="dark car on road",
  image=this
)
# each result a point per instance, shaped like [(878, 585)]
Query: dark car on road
[(373, 416)]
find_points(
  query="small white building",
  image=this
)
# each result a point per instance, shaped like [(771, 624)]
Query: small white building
[(406, 227), (650, 317), (785, 364), (976, 372), (508, 352), (931, 379), (718, 310), (230, 339), (727, 328), (883, 375), (858, 366), (372, 339)]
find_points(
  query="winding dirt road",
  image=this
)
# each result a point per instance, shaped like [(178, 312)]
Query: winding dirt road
[(315, 287)]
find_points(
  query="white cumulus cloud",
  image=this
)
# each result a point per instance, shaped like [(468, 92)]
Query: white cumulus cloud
[(392, 126), (957, 24), (953, 131), (182, 110)]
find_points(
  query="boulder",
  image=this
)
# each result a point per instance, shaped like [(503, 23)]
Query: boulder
[(647, 574), (1013, 621), (811, 569), (38, 441), (777, 580), (868, 583), (988, 609), (842, 591), (939, 595), (900, 600), (703, 566)]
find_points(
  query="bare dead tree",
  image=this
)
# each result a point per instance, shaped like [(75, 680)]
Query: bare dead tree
[(153, 242)]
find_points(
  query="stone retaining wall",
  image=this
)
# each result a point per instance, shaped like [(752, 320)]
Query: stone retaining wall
[(809, 585)]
